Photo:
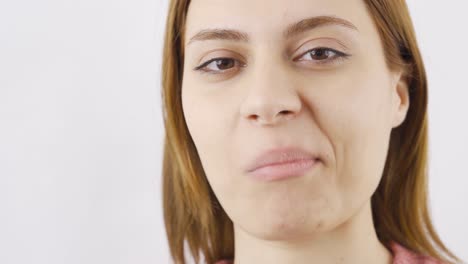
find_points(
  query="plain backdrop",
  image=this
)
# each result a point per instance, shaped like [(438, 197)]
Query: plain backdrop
[(81, 128)]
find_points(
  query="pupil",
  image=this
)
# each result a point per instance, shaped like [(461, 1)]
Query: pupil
[(223, 64), (320, 53)]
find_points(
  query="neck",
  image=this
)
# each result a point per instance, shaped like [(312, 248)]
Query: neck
[(354, 241)]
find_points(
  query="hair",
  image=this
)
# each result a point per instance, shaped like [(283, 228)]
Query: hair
[(400, 205)]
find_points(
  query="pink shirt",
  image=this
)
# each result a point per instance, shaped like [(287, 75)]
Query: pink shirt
[(401, 255)]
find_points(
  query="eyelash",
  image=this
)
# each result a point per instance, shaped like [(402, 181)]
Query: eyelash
[(338, 57)]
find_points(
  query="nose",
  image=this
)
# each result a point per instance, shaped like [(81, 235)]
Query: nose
[(272, 97)]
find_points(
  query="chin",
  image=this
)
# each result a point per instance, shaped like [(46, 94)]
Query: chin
[(290, 227), (288, 233)]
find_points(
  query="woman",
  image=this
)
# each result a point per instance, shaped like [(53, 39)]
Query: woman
[(296, 132)]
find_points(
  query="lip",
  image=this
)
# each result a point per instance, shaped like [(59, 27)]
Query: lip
[(281, 163)]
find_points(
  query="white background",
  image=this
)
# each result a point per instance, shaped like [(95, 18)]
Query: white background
[(81, 128)]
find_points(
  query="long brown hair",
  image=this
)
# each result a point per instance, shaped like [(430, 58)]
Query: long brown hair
[(400, 209)]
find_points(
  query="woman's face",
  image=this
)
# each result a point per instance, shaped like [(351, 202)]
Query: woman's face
[(323, 88)]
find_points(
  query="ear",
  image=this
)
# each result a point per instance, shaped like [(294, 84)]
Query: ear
[(401, 100)]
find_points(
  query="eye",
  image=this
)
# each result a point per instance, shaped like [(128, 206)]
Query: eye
[(320, 55), (218, 65), (323, 55)]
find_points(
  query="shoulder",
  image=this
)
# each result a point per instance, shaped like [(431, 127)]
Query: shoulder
[(402, 255), (225, 261)]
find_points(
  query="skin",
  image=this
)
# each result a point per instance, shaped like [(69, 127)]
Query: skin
[(264, 97)]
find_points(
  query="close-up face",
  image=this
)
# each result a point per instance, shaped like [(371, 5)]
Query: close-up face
[(321, 85)]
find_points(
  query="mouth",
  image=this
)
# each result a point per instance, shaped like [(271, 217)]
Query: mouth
[(283, 163), (285, 170)]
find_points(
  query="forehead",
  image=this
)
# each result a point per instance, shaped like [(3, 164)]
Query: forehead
[(268, 18)]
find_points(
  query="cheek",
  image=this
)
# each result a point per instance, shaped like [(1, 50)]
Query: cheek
[(354, 115), (207, 122)]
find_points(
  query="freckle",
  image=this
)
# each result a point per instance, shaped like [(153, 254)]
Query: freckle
[(319, 225)]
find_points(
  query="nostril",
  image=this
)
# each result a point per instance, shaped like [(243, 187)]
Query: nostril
[(253, 117)]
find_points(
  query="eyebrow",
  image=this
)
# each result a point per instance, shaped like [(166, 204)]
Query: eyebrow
[(291, 31)]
